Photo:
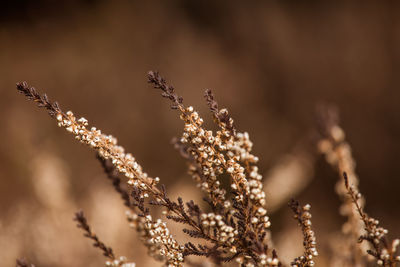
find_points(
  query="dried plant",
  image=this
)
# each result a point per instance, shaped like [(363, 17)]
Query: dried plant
[(303, 216), (234, 227), (337, 153), (107, 251), (359, 226), (376, 236)]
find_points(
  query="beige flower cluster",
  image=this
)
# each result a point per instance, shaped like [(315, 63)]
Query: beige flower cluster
[(241, 146), (226, 234), (376, 235), (107, 147), (229, 153), (213, 157), (208, 161), (156, 236), (303, 216)]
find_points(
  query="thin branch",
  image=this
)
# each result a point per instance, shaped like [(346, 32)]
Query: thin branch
[(376, 236), (42, 100), (83, 224), (303, 217)]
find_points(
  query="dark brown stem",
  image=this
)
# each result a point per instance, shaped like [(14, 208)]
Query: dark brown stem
[(42, 100), (82, 223)]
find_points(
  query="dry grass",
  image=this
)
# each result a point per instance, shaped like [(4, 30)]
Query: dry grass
[(232, 225)]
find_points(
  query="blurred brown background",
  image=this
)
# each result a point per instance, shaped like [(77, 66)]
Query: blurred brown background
[(270, 63)]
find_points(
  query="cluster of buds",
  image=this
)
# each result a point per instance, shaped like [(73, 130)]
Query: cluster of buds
[(375, 235), (159, 242), (239, 149), (224, 233), (242, 148), (229, 151), (303, 216), (208, 161), (375, 231), (215, 155), (156, 236), (260, 218), (241, 163), (106, 145), (238, 176), (231, 154), (226, 142), (387, 255)]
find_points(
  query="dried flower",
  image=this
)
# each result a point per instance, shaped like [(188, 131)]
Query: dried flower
[(212, 155), (376, 236), (235, 228), (105, 145), (303, 216), (338, 154), (107, 251)]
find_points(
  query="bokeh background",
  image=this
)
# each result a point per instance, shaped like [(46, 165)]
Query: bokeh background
[(269, 62)]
